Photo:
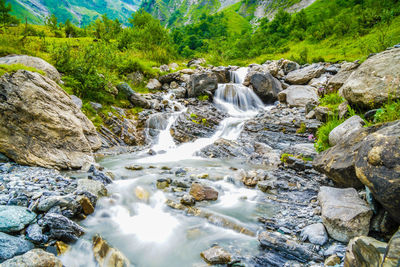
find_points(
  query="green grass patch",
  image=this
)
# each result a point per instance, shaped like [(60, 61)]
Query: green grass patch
[(322, 142), (331, 101), (388, 112), (4, 68)]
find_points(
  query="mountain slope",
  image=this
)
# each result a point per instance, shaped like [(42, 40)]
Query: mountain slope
[(179, 12), (80, 12)]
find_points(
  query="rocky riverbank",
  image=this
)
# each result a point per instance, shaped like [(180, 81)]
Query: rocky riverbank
[(339, 207)]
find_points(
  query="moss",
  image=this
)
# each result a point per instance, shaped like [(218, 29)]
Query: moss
[(4, 68)]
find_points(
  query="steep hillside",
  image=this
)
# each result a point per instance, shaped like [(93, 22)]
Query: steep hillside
[(80, 12), (179, 12)]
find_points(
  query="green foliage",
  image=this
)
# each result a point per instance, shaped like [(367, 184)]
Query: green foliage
[(388, 112), (4, 68), (322, 142), (6, 18), (331, 101), (302, 128), (285, 157), (203, 97)]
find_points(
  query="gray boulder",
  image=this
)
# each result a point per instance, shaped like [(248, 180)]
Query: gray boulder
[(341, 77), (61, 228), (315, 233), (344, 214), (15, 218), (298, 95), (347, 128), (304, 75), (265, 86), (11, 246), (374, 81), (35, 106), (205, 83), (154, 84), (77, 101), (135, 98), (34, 258), (33, 62)]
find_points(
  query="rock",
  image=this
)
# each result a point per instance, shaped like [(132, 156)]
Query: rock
[(170, 77), (344, 214), (338, 162), (135, 77), (154, 84), (332, 260), (142, 194), (196, 61), (173, 66), (61, 247), (180, 92), (364, 251), (341, 77), (205, 83), (223, 74), (11, 246), (288, 65), (134, 167), (202, 192), (34, 105), (96, 106), (35, 233), (216, 255), (392, 253), (281, 243), (134, 98), (162, 183), (34, 258), (298, 95), (95, 187), (99, 176), (77, 101), (315, 233), (265, 86), (370, 114), (33, 62), (304, 75), (343, 110), (86, 205), (377, 166), (15, 218), (107, 256), (164, 68), (371, 84), (347, 128), (188, 200), (322, 113), (321, 81), (62, 228)]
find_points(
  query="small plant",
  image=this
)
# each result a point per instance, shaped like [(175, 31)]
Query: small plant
[(302, 128), (322, 142), (203, 97), (193, 115), (331, 100), (388, 112)]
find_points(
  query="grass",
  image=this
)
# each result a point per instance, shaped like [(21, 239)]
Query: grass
[(331, 101), (322, 142), (388, 112), (4, 68)]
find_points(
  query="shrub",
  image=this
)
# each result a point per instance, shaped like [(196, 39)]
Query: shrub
[(388, 112)]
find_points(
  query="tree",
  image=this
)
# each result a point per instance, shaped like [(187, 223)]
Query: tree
[(5, 18), (52, 22)]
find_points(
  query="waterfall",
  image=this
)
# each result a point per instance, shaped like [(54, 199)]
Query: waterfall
[(238, 75)]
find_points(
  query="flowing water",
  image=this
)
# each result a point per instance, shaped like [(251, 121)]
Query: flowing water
[(136, 220)]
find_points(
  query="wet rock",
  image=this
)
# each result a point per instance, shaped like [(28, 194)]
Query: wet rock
[(344, 214), (86, 205), (99, 176), (95, 187), (15, 218), (35, 233), (223, 74), (33, 62), (298, 95), (48, 202), (142, 194), (162, 183), (61, 247), (34, 258), (265, 86), (11, 246), (134, 167), (332, 260), (347, 128), (179, 92), (370, 91), (64, 137), (289, 248), (392, 253), (377, 166), (202, 84), (106, 255), (364, 251), (188, 200), (315, 233), (216, 255), (202, 192), (61, 228), (304, 75), (154, 84)]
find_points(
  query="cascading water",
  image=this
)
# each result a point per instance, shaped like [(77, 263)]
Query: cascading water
[(135, 219)]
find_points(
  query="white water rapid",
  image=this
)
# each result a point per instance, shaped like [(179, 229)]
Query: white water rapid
[(134, 217)]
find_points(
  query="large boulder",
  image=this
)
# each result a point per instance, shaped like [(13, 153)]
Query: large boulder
[(34, 258), (374, 81), (202, 192), (33, 62), (378, 166), (265, 86), (341, 77), (11, 246), (106, 255), (205, 83), (344, 214), (15, 218), (41, 125), (135, 98), (304, 75), (347, 128), (154, 84), (392, 253), (298, 95), (61, 228)]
